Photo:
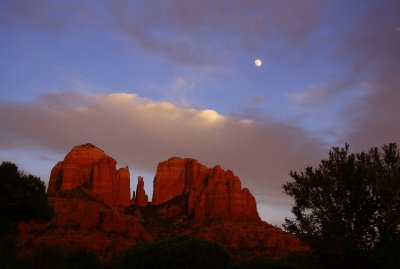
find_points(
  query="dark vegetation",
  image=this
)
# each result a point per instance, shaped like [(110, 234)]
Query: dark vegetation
[(22, 198), (184, 251), (57, 258), (348, 208), (178, 252)]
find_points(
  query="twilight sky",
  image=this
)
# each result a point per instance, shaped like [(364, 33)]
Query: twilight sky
[(148, 80)]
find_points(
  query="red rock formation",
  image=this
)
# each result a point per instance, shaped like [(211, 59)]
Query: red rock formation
[(89, 166), (224, 198), (188, 198), (141, 198), (122, 187), (244, 240), (55, 178), (212, 193), (81, 223), (169, 181)]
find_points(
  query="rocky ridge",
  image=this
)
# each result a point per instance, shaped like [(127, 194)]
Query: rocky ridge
[(94, 210)]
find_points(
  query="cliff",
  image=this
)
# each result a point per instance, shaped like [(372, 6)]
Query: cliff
[(212, 193), (93, 209), (89, 167)]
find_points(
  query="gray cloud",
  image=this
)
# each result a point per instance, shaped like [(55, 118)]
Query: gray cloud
[(374, 47), (141, 133), (200, 33), (225, 26), (46, 14), (364, 99)]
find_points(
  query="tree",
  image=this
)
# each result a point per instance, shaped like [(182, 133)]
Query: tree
[(22, 197), (348, 208), (182, 251), (60, 258)]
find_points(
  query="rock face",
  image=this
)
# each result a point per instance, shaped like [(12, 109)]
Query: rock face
[(88, 192), (141, 198), (86, 216), (212, 194), (88, 166), (81, 223)]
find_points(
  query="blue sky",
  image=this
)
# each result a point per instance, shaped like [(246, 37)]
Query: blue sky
[(147, 80)]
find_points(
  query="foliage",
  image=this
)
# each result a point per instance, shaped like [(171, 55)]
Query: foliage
[(178, 252), (292, 261), (57, 258), (348, 209), (22, 197)]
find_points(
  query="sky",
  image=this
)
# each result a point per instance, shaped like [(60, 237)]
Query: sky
[(149, 80)]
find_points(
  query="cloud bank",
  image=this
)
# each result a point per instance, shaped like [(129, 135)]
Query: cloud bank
[(140, 132)]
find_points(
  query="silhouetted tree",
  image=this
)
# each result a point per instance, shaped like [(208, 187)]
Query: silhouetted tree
[(178, 252), (22, 197), (348, 209), (45, 257), (292, 261)]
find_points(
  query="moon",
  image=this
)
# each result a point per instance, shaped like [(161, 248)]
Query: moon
[(258, 62)]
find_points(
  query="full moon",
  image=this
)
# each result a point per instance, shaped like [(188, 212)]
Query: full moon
[(258, 62)]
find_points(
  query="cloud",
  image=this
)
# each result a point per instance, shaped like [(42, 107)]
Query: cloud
[(207, 33), (361, 101), (196, 33), (320, 95), (140, 132), (311, 96), (46, 14), (374, 48), (256, 100), (180, 88)]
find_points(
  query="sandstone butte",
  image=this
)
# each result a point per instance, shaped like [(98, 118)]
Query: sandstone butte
[(89, 166), (94, 210)]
